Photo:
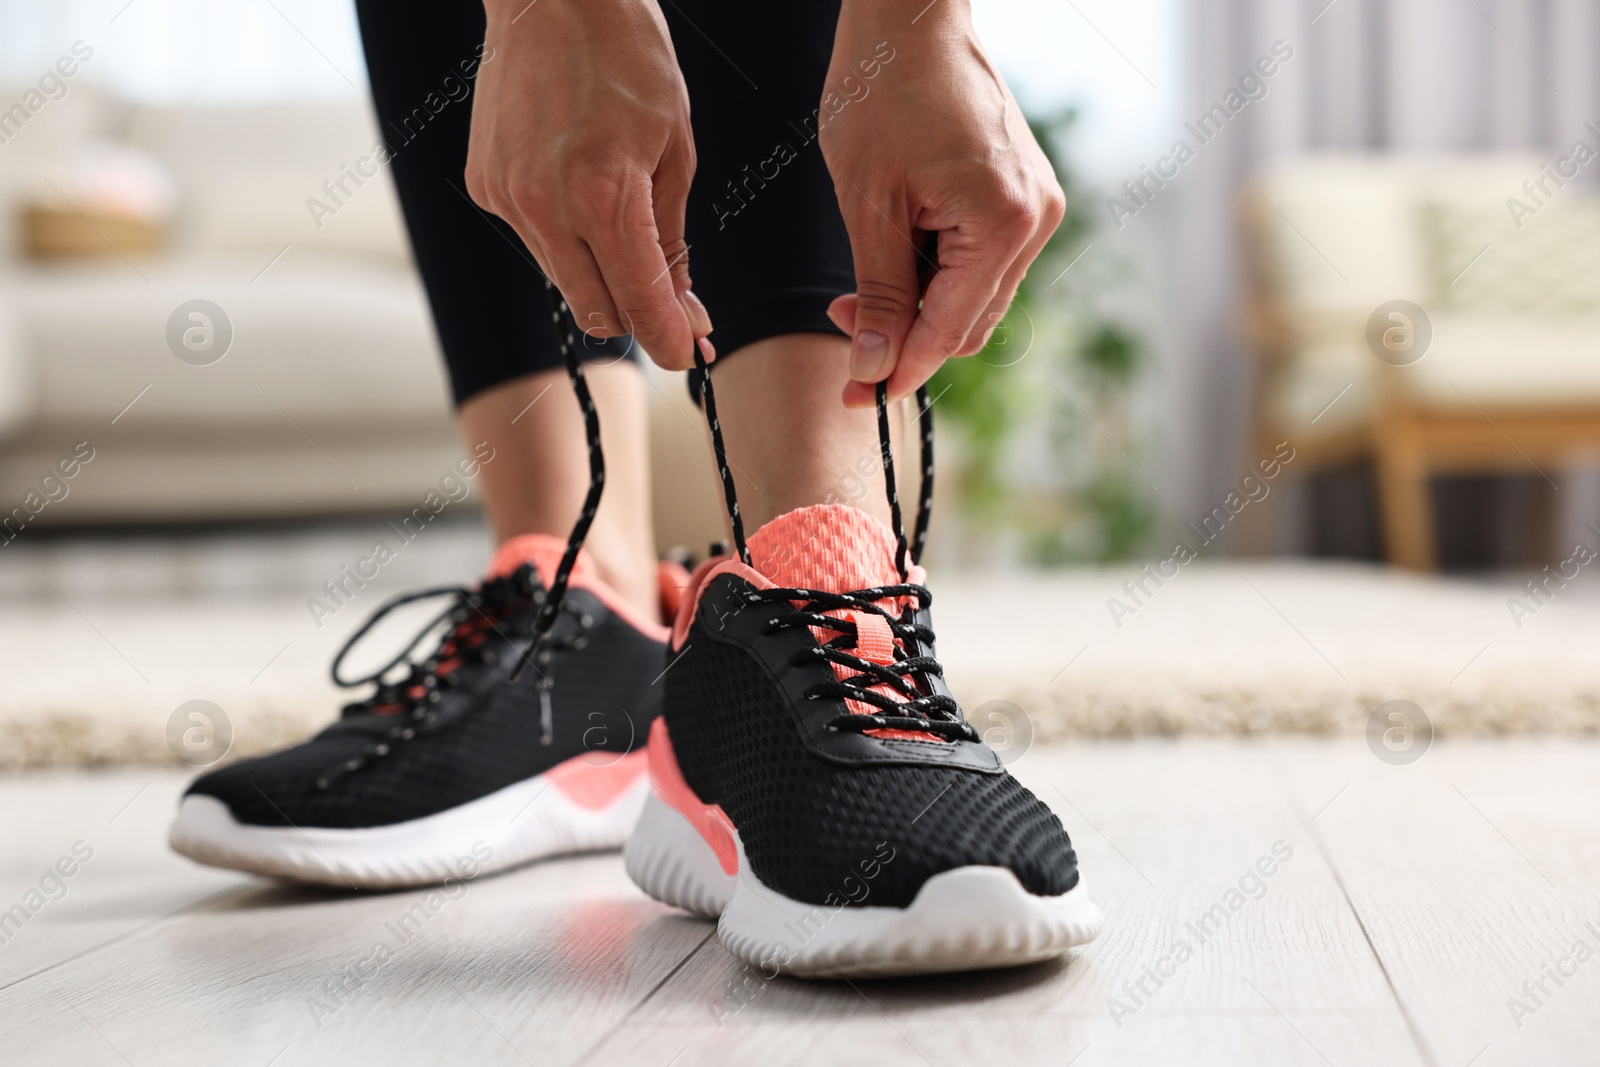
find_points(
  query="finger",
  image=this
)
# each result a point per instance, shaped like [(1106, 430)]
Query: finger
[(842, 313), (670, 196), (860, 394), (995, 313), (570, 267), (886, 286), (577, 276), (628, 252), (971, 266), (955, 297), (970, 270)]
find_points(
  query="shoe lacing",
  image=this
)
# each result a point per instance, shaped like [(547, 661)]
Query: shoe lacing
[(501, 606), (913, 706), (921, 709), (910, 703), (473, 614)]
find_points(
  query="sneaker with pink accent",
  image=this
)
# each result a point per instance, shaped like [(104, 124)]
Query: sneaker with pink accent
[(447, 771), (816, 788)]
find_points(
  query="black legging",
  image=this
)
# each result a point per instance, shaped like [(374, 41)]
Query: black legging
[(768, 248)]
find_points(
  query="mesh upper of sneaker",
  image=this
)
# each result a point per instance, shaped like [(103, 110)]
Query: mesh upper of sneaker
[(812, 829), (490, 734), (809, 826)]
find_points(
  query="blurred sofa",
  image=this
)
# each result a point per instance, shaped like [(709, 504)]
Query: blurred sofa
[(330, 398), (1495, 364)]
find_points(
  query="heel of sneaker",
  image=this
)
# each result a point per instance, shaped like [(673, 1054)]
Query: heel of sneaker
[(668, 859)]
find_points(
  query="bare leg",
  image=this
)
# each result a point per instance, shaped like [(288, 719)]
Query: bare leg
[(791, 441), (540, 472)]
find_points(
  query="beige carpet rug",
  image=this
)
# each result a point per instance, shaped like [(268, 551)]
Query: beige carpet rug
[(95, 671)]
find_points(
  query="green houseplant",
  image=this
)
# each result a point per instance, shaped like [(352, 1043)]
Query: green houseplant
[(1060, 364)]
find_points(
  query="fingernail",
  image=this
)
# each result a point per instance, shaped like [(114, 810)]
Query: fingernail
[(699, 318), (869, 357), (707, 350)]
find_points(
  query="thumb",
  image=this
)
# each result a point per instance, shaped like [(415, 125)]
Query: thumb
[(886, 292)]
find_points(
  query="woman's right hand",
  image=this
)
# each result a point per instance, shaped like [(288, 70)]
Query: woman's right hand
[(581, 142)]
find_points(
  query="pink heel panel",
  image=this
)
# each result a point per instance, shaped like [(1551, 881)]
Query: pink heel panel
[(595, 780), (709, 820)]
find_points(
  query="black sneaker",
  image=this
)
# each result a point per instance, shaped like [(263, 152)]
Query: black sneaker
[(450, 772), (816, 786)]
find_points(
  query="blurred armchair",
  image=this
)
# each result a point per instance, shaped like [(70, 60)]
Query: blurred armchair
[(1401, 312)]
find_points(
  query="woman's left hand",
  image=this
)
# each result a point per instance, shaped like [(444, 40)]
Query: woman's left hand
[(937, 145)]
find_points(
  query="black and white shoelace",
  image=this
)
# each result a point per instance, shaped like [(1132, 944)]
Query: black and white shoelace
[(913, 706), (567, 337), (909, 703)]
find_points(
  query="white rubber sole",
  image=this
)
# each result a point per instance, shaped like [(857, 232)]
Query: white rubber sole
[(969, 918), (531, 820), (668, 859)]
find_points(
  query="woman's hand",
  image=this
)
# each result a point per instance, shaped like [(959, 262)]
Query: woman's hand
[(581, 141), (937, 145)]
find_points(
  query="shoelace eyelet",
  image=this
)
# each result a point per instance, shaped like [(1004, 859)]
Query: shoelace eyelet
[(914, 710)]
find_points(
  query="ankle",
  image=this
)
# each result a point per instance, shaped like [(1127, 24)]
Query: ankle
[(790, 440), (632, 572)]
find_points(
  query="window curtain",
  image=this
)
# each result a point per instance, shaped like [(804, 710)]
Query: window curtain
[(1442, 75)]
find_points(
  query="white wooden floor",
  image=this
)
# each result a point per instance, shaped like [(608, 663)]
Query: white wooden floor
[(1415, 903)]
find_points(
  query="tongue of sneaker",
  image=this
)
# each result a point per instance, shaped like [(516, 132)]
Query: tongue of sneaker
[(830, 547), (838, 549)]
